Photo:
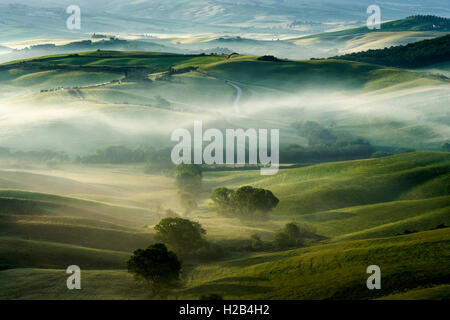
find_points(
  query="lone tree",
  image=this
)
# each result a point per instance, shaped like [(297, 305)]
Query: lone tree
[(157, 267), (188, 178), (182, 235), (292, 235), (245, 202)]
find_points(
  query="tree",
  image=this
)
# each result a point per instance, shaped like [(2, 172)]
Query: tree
[(248, 200), (292, 235), (182, 235), (245, 202), (255, 242), (188, 178), (446, 147), (156, 266), (281, 241), (223, 198)]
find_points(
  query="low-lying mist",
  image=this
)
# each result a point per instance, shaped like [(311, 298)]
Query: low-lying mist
[(412, 118)]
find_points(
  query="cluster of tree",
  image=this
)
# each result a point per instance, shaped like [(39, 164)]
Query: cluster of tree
[(344, 150), (118, 155), (422, 22), (324, 145), (188, 179), (445, 147), (245, 202), (268, 58), (292, 235), (48, 157), (382, 154), (156, 160), (158, 267), (413, 55)]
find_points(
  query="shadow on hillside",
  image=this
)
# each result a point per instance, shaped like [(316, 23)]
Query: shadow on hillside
[(228, 289), (240, 279)]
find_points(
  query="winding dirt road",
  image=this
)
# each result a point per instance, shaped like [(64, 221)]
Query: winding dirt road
[(238, 97)]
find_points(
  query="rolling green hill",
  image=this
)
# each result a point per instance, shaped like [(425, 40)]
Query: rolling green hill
[(282, 75), (391, 33), (413, 267), (97, 284), (335, 185), (42, 254), (360, 206), (33, 203), (412, 23), (72, 231), (332, 271), (358, 199)]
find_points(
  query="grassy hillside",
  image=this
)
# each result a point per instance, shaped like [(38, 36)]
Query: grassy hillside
[(381, 220), (282, 75), (391, 33), (413, 55), (360, 206), (440, 292), (26, 203), (96, 284), (298, 75), (332, 271), (353, 199), (412, 266), (42, 254), (72, 231), (343, 184)]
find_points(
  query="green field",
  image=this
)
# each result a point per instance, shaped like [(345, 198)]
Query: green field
[(361, 224), (334, 271), (107, 92), (389, 208)]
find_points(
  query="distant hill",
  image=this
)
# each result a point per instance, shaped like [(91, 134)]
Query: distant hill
[(413, 55), (97, 43), (412, 23), (392, 33)]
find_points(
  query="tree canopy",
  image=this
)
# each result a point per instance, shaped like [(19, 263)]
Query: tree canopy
[(156, 266), (181, 235), (188, 178), (245, 202)]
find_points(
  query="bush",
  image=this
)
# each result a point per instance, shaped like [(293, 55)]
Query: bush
[(291, 236)]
